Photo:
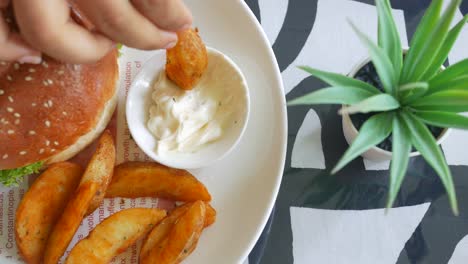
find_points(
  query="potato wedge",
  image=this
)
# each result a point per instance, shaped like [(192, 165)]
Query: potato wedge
[(174, 244), (150, 179), (188, 60), (99, 171), (114, 235), (41, 206), (69, 222), (163, 228), (101, 168)]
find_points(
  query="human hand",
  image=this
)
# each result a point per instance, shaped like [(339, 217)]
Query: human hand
[(46, 27)]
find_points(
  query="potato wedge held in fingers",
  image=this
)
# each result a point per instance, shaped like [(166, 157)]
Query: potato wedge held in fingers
[(101, 167), (98, 171), (174, 245), (114, 235), (41, 206), (150, 179), (188, 60)]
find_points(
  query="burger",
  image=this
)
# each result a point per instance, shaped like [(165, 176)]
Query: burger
[(51, 111)]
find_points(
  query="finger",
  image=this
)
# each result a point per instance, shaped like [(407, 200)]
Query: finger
[(171, 15), (14, 48), (4, 3), (119, 20), (46, 24)]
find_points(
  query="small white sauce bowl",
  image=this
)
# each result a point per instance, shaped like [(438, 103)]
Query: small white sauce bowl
[(137, 113)]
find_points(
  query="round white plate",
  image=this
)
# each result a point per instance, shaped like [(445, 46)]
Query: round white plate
[(245, 183)]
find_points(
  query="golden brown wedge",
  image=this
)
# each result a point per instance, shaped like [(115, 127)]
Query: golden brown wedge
[(98, 170), (103, 169), (150, 179), (41, 206), (114, 235), (188, 60), (172, 244)]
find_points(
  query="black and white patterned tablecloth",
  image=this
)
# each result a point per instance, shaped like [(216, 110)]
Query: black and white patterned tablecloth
[(320, 218)]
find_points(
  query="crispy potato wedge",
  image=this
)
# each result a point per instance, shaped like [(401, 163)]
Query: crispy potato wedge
[(150, 179), (88, 194), (101, 168), (210, 216), (174, 243), (69, 222), (114, 235), (41, 206), (188, 60), (163, 228)]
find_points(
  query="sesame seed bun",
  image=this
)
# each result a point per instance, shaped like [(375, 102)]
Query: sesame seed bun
[(50, 112)]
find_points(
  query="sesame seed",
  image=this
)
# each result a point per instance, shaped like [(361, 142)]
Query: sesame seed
[(49, 81), (47, 142), (28, 78), (17, 115), (46, 105), (64, 113), (56, 143), (50, 103), (32, 132), (5, 156), (33, 104), (45, 83), (47, 123), (16, 66), (32, 70), (1, 92), (52, 150), (10, 99), (11, 132), (23, 152), (45, 64), (9, 78), (60, 72), (76, 67), (41, 151), (17, 121), (9, 109), (3, 63)]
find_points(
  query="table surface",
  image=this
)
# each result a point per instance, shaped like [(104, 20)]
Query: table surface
[(323, 218)]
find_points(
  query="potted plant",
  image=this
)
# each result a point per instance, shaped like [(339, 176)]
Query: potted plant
[(400, 99)]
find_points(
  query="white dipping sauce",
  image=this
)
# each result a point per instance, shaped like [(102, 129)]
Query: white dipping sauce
[(185, 121)]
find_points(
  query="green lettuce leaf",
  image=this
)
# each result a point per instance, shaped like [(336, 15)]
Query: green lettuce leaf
[(11, 178)]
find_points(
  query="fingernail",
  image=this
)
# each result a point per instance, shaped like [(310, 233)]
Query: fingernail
[(170, 45), (186, 26), (30, 59)]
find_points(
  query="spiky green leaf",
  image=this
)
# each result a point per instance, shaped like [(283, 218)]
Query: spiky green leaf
[(454, 71), (446, 47), (376, 103), (381, 61), (460, 83), (412, 91), (425, 55), (443, 101), (333, 95), (388, 36), (372, 132), (426, 144), (335, 79), (401, 148), (443, 119), (420, 38)]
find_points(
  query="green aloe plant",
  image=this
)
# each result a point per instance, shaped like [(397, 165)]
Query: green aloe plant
[(414, 93)]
